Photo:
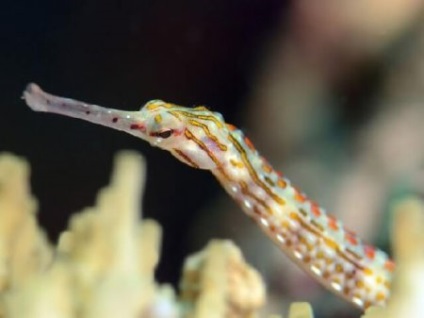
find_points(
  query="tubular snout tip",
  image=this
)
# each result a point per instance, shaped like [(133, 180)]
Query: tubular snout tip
[(31, 96)]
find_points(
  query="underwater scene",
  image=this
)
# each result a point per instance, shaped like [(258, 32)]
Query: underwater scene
[(196, 159)]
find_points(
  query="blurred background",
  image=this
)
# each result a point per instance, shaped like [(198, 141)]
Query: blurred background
[(331, 92)]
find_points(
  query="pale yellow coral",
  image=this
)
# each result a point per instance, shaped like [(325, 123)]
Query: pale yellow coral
[(407, 292), (103, 265), (24, 250), (104, 245), (300, 310), (217, 282)]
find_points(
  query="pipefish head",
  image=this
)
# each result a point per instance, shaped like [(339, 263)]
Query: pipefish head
[(191, 134)]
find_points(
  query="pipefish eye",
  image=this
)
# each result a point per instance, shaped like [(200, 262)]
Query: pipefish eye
[(163, 134)]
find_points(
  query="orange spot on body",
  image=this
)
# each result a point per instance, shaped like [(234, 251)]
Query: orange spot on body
[(332, 223), (266, 168), (249, 144), (351, 238), (231, 127), (281, 183), (298, 196), (315, 209), (389, 265), (369, 251)]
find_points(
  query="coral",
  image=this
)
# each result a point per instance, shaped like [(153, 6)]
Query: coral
[(24, 250), (103, 264), (408, 284), (219, 278)]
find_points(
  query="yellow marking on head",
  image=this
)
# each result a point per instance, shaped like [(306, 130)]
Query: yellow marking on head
[(211, 136), (189, 135), (212, 118), (201, 108), (158, 119), (175, 114), (157, 104), (237, 164)]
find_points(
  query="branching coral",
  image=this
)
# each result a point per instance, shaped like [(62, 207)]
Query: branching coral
[(24, 250), (408, 284), (103, 265), (219, 276)]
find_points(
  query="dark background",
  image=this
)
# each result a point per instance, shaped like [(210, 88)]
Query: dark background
[(121, 54)]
